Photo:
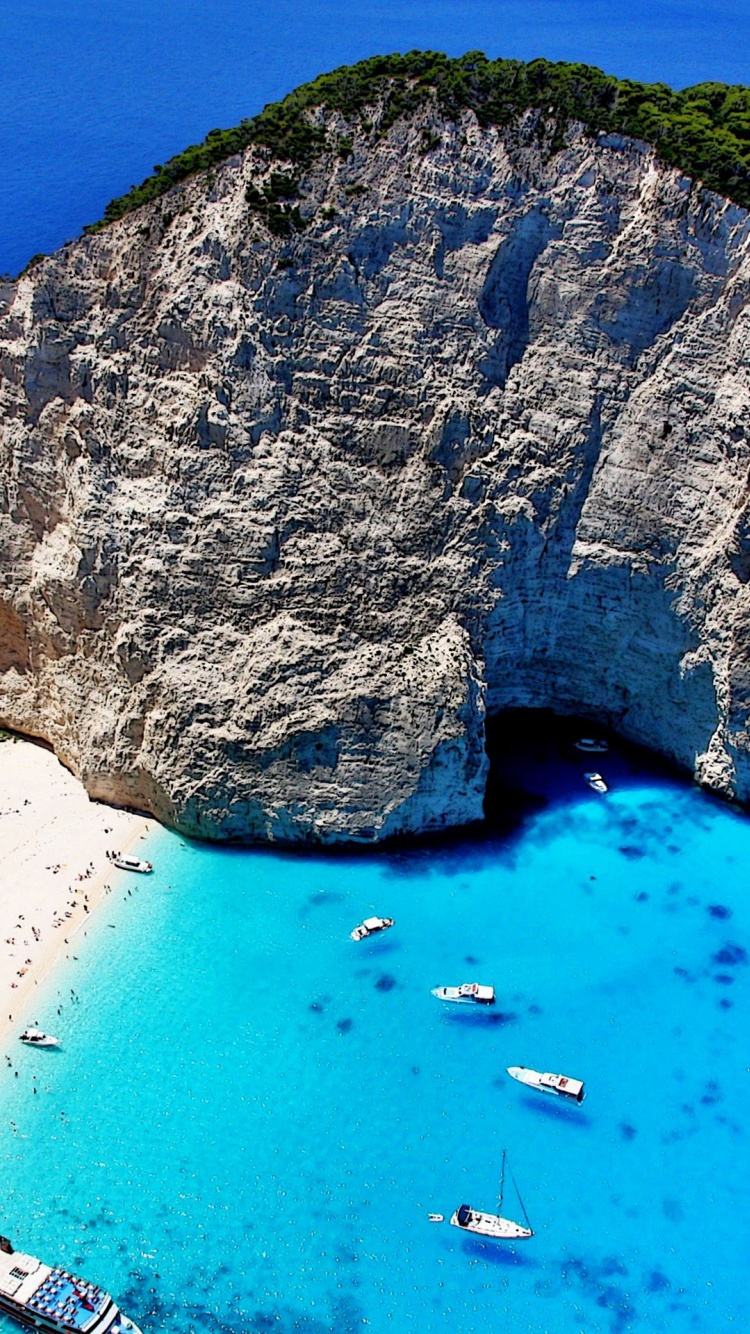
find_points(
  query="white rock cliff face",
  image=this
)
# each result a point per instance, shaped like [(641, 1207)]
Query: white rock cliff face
[(282, 519)]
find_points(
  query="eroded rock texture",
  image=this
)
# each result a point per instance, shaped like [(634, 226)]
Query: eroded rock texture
[(282, 518)]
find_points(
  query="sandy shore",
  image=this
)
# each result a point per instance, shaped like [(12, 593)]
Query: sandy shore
[(53, 867)]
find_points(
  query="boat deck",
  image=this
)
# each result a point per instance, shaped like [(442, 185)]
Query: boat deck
[(67, 1298), (54, 1293)]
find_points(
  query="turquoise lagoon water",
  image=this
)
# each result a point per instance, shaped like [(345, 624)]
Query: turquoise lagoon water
[(251, 1116)]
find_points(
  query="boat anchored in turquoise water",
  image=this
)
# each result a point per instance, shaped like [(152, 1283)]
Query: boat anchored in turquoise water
[(494, 1225), (124, 863), (34, 1037), (560, 1086), (370, 927), (469, 993), (45, 1298)]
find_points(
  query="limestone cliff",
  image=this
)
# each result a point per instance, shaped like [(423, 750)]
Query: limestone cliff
[(282, 518)]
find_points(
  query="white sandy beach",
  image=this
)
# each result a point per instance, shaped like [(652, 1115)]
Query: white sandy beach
[(54, 868)]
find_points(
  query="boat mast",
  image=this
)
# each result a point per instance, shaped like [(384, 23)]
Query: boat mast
[(518, 1193), (502, 1182)]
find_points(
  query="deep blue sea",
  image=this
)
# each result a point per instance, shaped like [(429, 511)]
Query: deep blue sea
[(251, 1116), (93, 94)]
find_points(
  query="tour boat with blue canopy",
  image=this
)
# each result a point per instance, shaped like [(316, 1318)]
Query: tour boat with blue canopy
[(44, 1297)]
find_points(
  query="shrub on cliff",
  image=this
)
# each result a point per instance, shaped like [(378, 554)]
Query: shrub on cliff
[(704, 130)]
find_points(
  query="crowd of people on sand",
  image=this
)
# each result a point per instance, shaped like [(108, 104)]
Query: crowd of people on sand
[(59, 917)]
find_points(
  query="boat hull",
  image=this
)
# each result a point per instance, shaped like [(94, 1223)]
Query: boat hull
[(371, 927), (558, 1086), (492, 1226), (455, 997), (113, 1321)]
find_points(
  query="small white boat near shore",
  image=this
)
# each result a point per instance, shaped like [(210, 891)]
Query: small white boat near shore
[(493, 1225), (469, 993), (370, 927), (560, 1086), (34, 1037), (591, 745), (132, 864), (596, 782)]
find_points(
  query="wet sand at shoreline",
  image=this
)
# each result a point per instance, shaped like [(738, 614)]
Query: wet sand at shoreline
[(54, 868)]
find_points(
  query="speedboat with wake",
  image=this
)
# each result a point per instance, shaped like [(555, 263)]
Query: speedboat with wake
[(469, 993), (494, 1226), (560, 1086), (43, 1297)]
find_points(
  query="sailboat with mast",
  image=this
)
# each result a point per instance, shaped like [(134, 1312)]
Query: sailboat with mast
[(494, 1225)]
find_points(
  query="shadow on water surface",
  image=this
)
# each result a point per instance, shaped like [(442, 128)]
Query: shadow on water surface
[(534, 768), (555, 1110), (497, 1253), (471, 1015)]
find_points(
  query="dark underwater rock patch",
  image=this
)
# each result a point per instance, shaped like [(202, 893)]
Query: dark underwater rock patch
[(385, 982), (731, 955)]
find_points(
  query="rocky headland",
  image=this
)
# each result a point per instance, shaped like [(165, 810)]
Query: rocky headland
[(287, 511)]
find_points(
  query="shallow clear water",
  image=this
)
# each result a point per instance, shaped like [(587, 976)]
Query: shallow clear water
[(251, 1116)]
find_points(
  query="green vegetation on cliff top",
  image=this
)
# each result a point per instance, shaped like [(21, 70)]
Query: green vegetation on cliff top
[(704, 130)]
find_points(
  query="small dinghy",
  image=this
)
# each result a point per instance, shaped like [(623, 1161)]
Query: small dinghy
[(592, 745), (436, 1218), (560, 1086), (132, 864), (493, 1225), (370, 927), (469, 993), (596, 782), (34, 1037)]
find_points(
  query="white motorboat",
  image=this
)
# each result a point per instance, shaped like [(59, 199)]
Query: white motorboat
[(370, 927), (493, 1225), (34, 1037), (596, 782), (560, 1086), (133, 864), (592, 745), (469, 993), (47, 1298)]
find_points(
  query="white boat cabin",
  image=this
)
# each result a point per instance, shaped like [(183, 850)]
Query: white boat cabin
[(133, 864)]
